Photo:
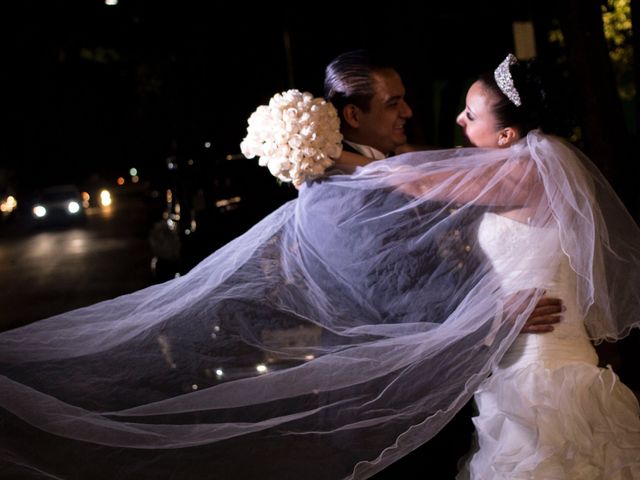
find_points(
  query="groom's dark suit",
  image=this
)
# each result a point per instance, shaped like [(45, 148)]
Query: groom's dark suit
[(444, 260), (438, 458), (450, 254)]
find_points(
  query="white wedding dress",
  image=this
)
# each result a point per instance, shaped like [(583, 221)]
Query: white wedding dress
[(548, 411)]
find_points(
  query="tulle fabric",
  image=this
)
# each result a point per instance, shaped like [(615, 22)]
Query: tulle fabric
[(575, 421), (337, 335)]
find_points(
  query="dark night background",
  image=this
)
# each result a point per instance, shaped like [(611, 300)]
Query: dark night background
[(94, 88), (90, 90), (99, 88)]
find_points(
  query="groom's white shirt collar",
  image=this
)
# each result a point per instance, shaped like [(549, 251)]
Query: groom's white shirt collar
[(366, 150)]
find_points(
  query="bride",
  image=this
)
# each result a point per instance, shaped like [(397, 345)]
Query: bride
[(547, 410), (316, 346)]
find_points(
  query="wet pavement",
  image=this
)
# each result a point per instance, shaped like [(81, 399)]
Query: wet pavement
[(51, 270)]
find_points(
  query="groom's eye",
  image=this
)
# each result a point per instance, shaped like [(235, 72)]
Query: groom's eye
[(393, 101), (469, 116)]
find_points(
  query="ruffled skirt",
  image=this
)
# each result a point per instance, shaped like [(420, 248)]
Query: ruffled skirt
[(570, 421)]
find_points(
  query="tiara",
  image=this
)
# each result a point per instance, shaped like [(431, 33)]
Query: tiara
[(504, 80)]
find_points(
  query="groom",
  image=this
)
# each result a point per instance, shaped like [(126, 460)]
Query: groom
[(369, 96)]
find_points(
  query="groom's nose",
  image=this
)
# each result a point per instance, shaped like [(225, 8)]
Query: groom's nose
[(406, 111)]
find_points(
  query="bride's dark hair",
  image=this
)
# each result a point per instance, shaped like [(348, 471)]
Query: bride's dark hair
[(541, 106)]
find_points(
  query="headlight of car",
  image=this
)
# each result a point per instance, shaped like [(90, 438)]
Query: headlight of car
[(105, 198), (73, 207), (39, 211)]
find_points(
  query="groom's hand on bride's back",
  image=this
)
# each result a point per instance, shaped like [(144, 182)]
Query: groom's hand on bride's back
[(546, 313)]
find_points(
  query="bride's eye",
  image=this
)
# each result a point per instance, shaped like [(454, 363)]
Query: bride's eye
[(469, 116)]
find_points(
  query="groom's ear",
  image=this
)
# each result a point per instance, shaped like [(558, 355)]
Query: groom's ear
[(351, 115)]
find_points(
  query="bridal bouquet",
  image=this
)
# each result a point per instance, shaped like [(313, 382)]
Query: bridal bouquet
[(296, 136)]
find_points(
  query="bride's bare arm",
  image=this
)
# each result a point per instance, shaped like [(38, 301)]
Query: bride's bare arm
[(510, 183)]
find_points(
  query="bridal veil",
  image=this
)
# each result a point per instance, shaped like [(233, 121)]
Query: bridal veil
[(337, 335)]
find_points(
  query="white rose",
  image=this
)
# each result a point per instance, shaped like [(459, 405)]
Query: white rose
[(291, 114), (296, 157), (283, 151), (295, 141), (275, 165), (308, 152), (292, 127)]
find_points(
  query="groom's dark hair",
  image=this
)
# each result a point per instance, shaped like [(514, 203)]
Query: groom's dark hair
[(348, 78)]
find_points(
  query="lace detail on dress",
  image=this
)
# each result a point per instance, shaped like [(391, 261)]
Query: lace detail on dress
[(520, 254)]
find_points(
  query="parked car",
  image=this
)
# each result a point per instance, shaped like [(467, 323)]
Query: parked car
[(57, 205), (203, 203)]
